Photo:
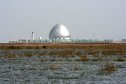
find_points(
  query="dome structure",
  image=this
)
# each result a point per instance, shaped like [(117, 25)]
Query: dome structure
[(59, 31)]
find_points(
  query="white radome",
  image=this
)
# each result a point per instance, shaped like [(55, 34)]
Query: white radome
[(59, 31)]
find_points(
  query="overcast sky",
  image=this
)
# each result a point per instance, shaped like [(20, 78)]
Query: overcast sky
[(85, 19)]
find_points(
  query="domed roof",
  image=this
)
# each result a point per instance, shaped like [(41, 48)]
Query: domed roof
[(59, 31)]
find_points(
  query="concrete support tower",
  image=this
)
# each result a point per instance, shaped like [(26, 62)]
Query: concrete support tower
[(33, 37)]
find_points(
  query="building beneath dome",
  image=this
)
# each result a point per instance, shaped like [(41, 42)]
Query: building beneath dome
[(59, 32)]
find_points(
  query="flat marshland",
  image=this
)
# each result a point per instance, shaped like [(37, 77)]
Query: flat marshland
[(63, 63)]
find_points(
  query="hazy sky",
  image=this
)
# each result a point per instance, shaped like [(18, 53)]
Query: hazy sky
[(85, 19)]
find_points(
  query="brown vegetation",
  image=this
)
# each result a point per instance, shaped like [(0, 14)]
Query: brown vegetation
[(69, 49), (28, 54), (54, 66), (84, 58), (109, 68), (10, 56)]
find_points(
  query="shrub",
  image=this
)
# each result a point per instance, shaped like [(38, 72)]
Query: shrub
[(28, 54), (42, 60), (54, 66), (120, 59), (108, 68), (84, 58), (10, 56)]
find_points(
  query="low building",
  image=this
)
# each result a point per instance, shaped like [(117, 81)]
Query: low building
[(123, 40)]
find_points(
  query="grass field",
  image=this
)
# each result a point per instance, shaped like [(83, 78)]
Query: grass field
[(62, 63), (90, 48)]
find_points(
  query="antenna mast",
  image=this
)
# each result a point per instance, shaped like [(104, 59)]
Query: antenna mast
[(33, 37)]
